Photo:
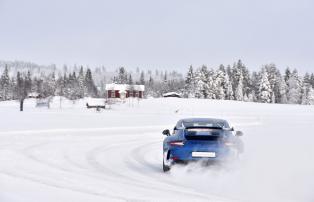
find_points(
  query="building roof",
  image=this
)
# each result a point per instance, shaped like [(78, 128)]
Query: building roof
[(169, 94), (96, 101), (33, 94), (124, 87)]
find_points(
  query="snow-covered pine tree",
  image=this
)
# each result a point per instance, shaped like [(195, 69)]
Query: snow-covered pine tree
[(274, 78), (142, 78), (28, 81), (34, 87), (69, 88), (13, 88), (65, 85), (199, 88), (72, 87), (234, 76), (150, 87), (203, 82), (219, 83), (255, 85), (306, 88), (304, 93), (246, 77), (283, 91), (310, 96), (176, 82), (5, 84), (294, 88), (239, 89), (60, 86), (189, 85), (312, 80), (122, 77), (287, 74), (229, 95), (239, 70), (130, 80), (240, 79), (65, 69), (81, 83), (51, 84), (265, 91), (198, 85), (307, 79), (164, 84), (90, 85), (251, 97), (273, 99), (229, 72), (151, 81), (211, 85), (43, 86), (222, 68), (164, 76)]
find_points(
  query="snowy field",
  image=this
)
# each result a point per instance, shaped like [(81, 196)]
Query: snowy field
[(75, 154)]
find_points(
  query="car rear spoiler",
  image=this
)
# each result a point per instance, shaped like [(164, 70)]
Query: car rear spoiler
[(207, 127)]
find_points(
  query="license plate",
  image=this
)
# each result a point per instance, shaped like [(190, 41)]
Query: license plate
[(204, 154)]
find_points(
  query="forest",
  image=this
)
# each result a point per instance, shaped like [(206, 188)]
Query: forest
[(226, 82)]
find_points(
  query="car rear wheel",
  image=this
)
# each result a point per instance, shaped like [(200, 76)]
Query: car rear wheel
[(166, 164), (165, 167)]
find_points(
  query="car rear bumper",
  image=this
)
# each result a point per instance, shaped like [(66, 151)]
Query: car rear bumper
[(182, 155), (202, 162)]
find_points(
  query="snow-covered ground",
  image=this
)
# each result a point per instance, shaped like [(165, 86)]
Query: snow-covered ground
[(75, 154)]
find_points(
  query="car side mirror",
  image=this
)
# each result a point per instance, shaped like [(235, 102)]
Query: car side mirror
[(239, 133), (166, 132)]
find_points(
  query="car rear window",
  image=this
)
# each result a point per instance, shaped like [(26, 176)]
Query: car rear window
[(216, 124), (203, 134), (202, 131)]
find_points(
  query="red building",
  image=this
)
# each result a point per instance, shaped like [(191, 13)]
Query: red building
[(124, 91)]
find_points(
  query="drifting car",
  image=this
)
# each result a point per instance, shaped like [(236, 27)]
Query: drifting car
[(205, 139)]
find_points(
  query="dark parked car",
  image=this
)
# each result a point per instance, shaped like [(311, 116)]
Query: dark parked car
[(210, 140)]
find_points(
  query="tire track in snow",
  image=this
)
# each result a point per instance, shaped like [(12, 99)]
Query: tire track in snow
[(115, 178), (132, 163), (143, 184), (64, 181)]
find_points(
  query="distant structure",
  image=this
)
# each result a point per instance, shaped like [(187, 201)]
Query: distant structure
[(97, 103), (171, 94), (44, 102), (33, 95), (123, 91)]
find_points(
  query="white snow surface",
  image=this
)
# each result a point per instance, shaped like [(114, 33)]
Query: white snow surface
[(76, 154)]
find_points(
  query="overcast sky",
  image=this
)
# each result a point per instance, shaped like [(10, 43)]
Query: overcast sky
[(159, 34)]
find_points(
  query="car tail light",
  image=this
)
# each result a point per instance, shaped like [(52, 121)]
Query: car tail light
[(174, 158), (176, 143)]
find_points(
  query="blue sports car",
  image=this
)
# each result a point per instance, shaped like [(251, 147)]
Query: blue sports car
[(211, 140)]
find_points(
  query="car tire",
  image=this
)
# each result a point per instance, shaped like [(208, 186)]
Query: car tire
[(166, 167)]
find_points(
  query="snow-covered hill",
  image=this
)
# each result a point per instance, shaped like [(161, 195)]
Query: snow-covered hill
[(76, 154)]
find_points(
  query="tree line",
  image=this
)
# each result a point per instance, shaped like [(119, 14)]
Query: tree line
[(232, 82), (235, 82), (69, 85)]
